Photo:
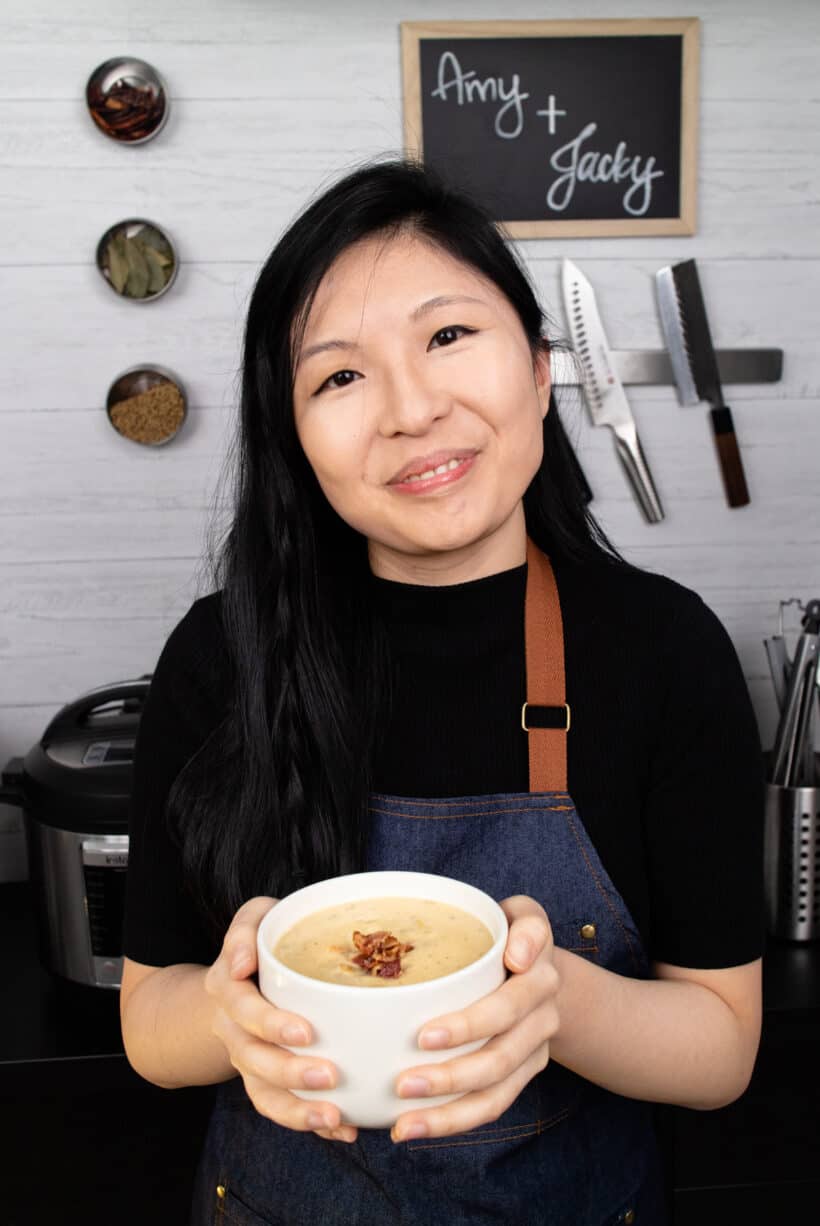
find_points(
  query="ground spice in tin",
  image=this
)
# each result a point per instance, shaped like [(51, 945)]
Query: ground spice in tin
[(152, 416)]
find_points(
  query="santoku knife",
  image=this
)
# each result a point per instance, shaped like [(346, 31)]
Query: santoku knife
[(603, 391), (694, 365)]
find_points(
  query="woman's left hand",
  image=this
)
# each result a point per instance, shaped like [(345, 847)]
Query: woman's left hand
[(519, 1019)]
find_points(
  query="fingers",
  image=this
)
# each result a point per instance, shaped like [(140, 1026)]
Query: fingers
[(243, 1002), (493, 1063), (228, 981), (518, 1019), (289, 1111), (529, 948), (473, 1109), (239, 946), (269, 1073), (301, 1115), (530, 931), (345, 1132), (497, 1012), (256, 1033), (268, 1062)]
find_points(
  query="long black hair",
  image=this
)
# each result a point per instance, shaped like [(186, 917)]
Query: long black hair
[(277, 796)]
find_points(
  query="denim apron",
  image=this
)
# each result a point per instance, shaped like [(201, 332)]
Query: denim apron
[(565, 1152)]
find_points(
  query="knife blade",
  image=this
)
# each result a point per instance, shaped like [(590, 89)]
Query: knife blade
[(692, 356), (603, 391)]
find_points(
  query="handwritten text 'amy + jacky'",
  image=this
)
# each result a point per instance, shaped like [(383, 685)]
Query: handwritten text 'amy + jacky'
[(571, 161)]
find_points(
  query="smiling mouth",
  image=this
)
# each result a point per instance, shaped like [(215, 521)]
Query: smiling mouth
[(431, 479), (435, 463), (434, 472)]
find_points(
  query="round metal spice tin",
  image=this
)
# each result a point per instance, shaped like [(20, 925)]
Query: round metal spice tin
[(147, 404), (127, 99)]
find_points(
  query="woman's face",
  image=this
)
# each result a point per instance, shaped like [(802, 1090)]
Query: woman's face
[(410, 357)]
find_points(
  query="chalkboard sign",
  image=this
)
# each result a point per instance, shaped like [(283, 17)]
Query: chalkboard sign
[(562, 128)]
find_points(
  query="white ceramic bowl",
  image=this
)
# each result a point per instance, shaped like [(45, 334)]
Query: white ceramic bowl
[(370, 1034)]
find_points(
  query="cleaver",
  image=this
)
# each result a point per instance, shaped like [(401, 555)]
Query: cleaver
[(694, 365)]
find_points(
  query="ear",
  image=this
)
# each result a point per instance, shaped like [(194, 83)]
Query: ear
[(542, 372)]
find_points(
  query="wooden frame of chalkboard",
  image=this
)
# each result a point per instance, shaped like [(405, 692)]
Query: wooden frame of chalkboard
[(562, 128)]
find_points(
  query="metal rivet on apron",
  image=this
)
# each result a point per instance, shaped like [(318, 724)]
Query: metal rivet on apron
[(629, 1217), (588, 932), (220, 1191)]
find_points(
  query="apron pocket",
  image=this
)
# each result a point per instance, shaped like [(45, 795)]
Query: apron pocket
[(646, 1206), (579, 936), (233, 1211), (546, 1100)]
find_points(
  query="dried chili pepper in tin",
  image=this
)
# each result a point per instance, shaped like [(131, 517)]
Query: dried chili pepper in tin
[(127, 99)]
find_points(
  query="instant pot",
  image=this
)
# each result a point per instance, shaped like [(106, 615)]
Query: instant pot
[(74, 788)]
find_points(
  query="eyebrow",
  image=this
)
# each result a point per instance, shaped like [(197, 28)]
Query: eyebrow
[(418, 313)]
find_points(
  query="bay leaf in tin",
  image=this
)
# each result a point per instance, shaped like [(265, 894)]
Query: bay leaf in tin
[(117, 263), (156, 271), (151, 239), (137, 260), (138, 272)]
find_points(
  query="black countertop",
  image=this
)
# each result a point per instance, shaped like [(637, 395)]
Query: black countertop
[(52, 1032), (62, 1032)]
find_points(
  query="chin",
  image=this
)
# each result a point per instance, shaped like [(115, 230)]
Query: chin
[(443, 542)]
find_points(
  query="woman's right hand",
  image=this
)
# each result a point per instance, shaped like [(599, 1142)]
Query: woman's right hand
[(251, 1029)]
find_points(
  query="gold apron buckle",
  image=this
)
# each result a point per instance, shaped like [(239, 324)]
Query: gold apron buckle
[(565, 705)]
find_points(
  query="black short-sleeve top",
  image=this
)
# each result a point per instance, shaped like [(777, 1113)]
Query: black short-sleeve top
[(665, 765)]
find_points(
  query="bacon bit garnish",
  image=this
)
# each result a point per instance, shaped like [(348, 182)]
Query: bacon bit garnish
[(379, 954)]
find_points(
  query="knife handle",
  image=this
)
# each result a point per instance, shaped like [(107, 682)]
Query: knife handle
[(731, 465), (631, 455)]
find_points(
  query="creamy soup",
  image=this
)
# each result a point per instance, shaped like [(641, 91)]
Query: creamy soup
[(397, 941)]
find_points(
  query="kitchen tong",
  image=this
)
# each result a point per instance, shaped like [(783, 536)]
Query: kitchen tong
[(796, 683)]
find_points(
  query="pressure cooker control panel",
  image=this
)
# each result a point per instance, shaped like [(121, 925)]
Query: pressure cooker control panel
[(76, 754), (100, 753)]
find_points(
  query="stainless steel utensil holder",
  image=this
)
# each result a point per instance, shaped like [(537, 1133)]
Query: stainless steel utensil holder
[(792, 862)]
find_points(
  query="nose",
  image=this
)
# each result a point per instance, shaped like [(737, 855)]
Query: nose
[(412, 402)]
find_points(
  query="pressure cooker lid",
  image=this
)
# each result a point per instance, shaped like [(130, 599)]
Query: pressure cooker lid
[(79, 776)]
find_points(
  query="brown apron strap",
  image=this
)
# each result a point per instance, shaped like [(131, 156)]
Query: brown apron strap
[(545, 715)]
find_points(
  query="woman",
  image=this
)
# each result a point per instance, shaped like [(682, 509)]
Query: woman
[(410, 555)]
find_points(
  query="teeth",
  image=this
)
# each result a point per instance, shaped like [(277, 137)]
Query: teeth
[(433, 472)]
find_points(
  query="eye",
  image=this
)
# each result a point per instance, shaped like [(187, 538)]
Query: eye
[(449, 331), (337, 375), (339, 378)]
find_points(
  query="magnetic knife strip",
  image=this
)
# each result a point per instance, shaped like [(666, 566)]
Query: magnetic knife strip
[(652, 366)]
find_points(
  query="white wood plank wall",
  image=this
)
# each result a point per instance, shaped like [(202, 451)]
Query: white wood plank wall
[(101, 539)]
